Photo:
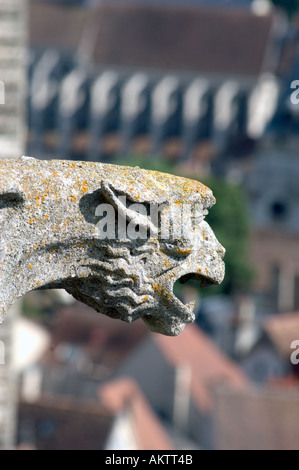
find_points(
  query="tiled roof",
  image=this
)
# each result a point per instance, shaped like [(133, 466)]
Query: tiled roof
[(205, 40), (221, 41), (148, 431), (208, 365)]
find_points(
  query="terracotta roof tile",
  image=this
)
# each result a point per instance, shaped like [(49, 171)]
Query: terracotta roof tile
[(208, 365), (148, 431)]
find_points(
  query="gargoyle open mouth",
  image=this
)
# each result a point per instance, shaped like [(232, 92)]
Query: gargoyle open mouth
[(171, 314)]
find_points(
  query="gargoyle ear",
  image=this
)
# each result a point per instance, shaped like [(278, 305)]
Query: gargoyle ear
[(128, 214), (11, 197)]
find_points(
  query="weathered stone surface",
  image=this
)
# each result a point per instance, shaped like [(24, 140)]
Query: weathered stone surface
[(51, 238)]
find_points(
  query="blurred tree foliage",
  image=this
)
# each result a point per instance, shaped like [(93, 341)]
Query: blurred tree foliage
[(147, 162), (229, 220), (289, 6)]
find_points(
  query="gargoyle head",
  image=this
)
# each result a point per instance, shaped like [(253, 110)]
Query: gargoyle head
[(116, 238)]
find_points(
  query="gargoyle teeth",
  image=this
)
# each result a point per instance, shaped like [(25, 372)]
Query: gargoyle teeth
[(191, 305)]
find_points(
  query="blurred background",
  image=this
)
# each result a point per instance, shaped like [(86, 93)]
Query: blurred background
[(203, 89)]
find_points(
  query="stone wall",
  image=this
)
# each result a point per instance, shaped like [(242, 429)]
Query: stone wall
[(13, 38)]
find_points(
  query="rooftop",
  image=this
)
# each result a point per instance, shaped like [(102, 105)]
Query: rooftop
[(209, 366), (148, 431), (216, 41)]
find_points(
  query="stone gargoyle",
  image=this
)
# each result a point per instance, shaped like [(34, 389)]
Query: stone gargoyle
[(116, 238)]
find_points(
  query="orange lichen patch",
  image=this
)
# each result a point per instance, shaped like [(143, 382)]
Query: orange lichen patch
[(185, 185), (163, 293), (84, 187), (182, 251), (38, 283), (54, 228), (204, 235), (198, 270), (74, 197), (30, 266), (72, 165), (145, 298), (30, 221), (46, 217), (159, 183)]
